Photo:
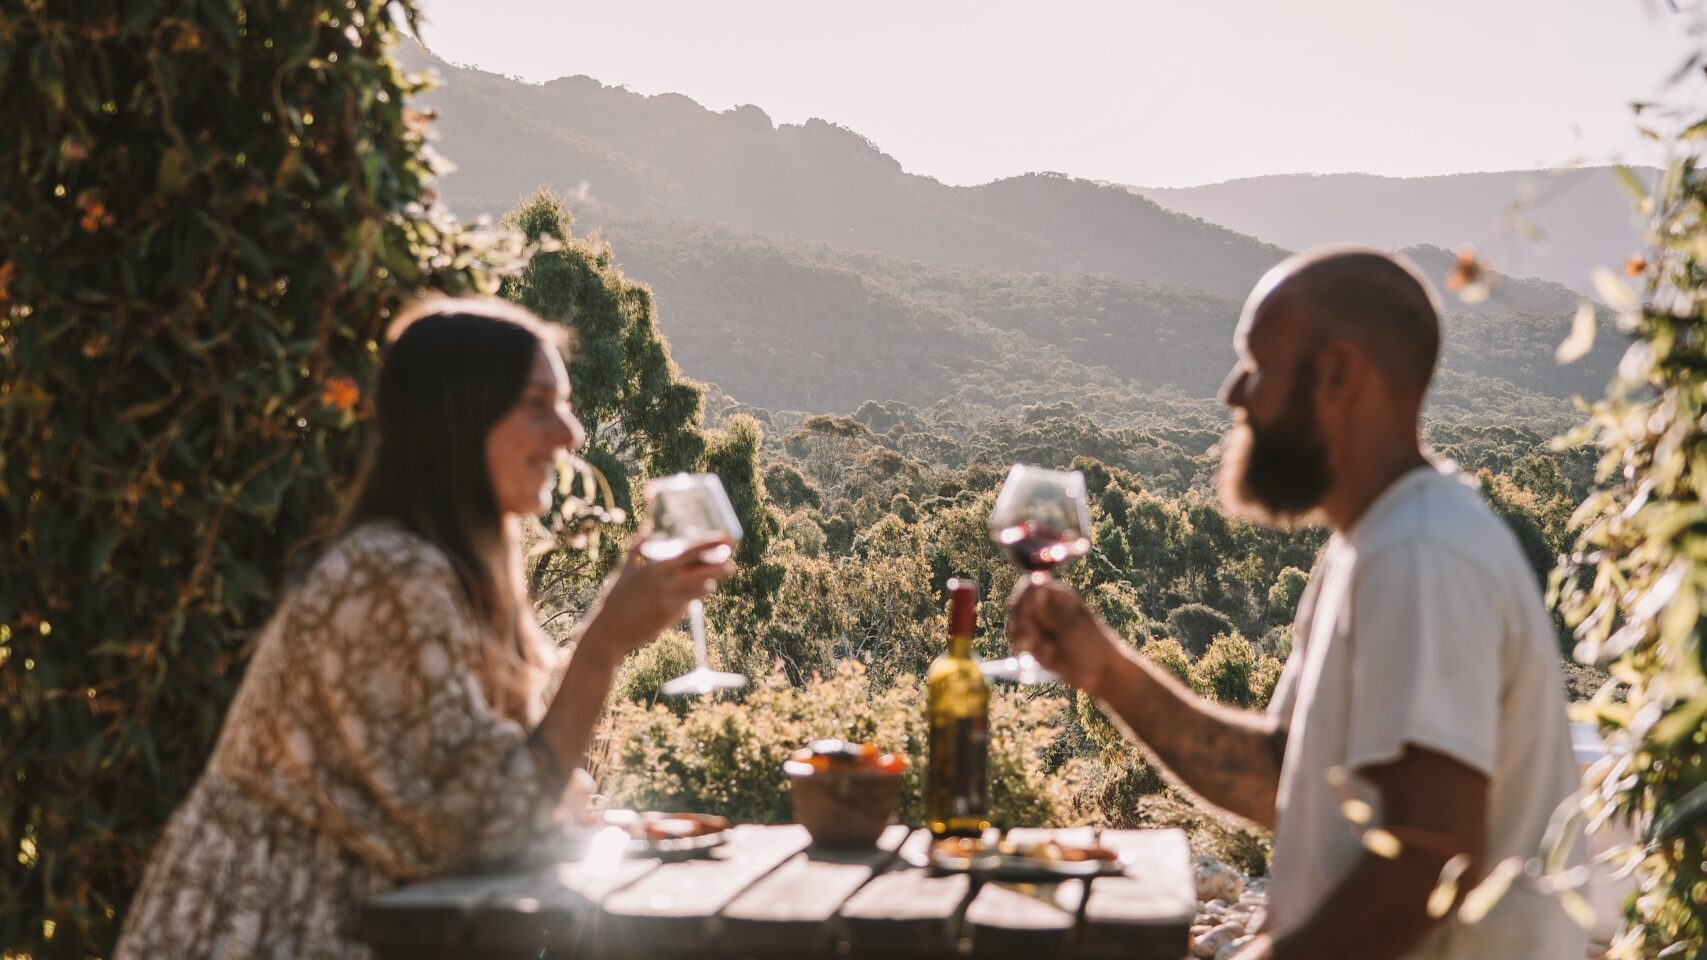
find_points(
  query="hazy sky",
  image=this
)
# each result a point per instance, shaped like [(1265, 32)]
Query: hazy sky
[(1143, 92)]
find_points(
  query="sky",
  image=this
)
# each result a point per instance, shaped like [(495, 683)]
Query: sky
[(1142, 92)]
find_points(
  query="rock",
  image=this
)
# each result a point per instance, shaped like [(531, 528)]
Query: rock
[(1217, 881), (1208, 946), (1231, 948), (1258, 918)]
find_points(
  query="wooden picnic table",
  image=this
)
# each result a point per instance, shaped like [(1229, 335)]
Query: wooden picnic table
[(769, 893)]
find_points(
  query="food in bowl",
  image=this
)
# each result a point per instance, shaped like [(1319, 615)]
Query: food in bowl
[(844, 793), (842, 755)]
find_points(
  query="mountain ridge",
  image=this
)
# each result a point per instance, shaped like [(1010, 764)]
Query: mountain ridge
[(1555, 225), (665, 156)]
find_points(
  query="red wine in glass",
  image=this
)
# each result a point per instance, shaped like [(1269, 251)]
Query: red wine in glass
[(1035, 545), (1041, 520)]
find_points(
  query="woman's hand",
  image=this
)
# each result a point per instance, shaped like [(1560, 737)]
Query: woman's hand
[(1049, 620), (645, 596)]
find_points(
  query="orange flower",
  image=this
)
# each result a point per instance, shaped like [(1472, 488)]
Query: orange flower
[(340, 393), (1636, 265), (92, 217), (1466, 270), (95, 214)]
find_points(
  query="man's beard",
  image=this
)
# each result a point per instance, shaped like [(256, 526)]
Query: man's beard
[(1277, 474)]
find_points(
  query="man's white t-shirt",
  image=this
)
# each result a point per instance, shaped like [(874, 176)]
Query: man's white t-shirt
[(1423, 625)]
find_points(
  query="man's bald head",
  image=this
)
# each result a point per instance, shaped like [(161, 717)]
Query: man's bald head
[(1378, 301)]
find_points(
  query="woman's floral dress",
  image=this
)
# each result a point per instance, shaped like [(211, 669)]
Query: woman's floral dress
[(360, 752)]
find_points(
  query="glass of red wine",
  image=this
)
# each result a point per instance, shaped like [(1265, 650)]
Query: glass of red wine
[(1041, 520)]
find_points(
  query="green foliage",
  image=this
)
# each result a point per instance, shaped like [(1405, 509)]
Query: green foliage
[(1227, 670), (629, 394), (1634, 587), (207, 214), (1284, 595), (645, 671), (1265, 679), (1195, 626), (790, 489), (1166, 652), (732, 454), (1122, 609)]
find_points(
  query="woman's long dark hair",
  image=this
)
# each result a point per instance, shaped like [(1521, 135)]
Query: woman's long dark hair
[(451, 370)]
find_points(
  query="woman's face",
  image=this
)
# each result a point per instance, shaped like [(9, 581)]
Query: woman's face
[(522, 448)]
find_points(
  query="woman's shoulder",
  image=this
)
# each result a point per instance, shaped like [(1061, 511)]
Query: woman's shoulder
[(379, 552)]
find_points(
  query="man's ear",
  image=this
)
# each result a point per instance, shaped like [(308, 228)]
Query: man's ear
[(1339, 371)]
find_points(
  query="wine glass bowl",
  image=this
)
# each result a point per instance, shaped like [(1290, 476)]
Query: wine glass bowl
[(1040, 518), (681, 510)]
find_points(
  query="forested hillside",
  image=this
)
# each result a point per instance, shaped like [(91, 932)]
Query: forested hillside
[(815, 327)]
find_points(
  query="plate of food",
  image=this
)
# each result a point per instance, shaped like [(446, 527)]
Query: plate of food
[(1038, 862), (652, 833)]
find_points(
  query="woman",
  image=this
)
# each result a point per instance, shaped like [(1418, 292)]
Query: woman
[(390, 725)]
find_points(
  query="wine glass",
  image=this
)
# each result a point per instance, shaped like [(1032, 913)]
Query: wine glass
[(1040, 518), (681, 510)]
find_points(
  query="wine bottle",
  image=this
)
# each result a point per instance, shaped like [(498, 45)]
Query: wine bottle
[(957, 707)]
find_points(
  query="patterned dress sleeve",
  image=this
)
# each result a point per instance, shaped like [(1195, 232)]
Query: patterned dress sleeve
[(421, 774)]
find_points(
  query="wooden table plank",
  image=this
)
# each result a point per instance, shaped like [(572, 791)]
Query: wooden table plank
[(1006, 919), (555, 906), (434, 913), (790, 910), (906, 911), (675, 907), (1023, 919), (1147, 914)]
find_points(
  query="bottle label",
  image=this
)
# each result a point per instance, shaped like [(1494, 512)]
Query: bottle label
[(964, 743)]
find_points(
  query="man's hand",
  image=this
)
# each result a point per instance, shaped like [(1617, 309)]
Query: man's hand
[(1048, 620), (1230, 757)]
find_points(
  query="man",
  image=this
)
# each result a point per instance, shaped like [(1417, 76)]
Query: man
[(1423, 680)]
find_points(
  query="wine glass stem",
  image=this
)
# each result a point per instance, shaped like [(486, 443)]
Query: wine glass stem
[(696, 622)]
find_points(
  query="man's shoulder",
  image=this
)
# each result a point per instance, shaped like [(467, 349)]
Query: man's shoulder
[(1441, 513), (1441, 509)]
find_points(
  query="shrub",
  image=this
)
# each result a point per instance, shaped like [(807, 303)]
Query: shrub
[(1276, 642), (790, 489), (1264, 680), (1226, 672), (1121, 608), (1195, 625), (800, 529), (646, 670), (1165, 652), (205, 220), (1283, 596)]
